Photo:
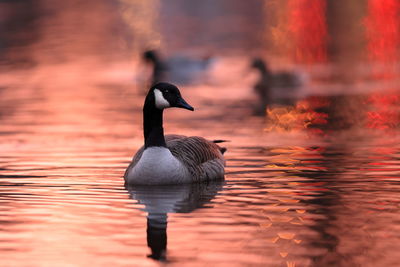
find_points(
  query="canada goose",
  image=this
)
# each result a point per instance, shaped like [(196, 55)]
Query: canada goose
[(173, 159), (279, 87), (181, 69)]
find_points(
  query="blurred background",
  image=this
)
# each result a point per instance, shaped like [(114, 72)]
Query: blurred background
[(306, 91), (295, 31), (309, 48)]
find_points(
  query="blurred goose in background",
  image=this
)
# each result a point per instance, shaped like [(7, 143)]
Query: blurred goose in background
[(158, 66), (178, 69), (158, 201), (172, 159), (279, 87)]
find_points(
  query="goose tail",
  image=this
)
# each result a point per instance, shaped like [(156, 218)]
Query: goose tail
[(222, 149), (219, 141)]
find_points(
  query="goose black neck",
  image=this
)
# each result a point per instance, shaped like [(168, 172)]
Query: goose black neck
[(153, 126), (264, 70)]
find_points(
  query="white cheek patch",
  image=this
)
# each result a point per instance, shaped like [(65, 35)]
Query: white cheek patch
[(161, 102)]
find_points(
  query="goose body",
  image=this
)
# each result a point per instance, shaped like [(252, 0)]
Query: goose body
[(172, 159), (280, 87)]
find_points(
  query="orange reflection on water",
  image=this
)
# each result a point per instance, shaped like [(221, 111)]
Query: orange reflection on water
[(295, 118)]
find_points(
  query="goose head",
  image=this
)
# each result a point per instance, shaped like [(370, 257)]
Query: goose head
[(165, 95), (260, 65), (150, 56)]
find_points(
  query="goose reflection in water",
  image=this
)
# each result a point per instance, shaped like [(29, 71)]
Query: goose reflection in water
[(158, 201)]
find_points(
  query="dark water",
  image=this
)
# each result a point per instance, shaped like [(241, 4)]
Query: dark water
[(322, 195), (313, 183)]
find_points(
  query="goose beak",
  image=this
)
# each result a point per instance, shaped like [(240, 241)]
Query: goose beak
[(181, 103)]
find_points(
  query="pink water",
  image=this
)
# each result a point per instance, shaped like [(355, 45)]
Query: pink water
[(311, 196)]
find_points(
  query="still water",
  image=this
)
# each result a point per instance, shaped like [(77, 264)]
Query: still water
[(326, 195)]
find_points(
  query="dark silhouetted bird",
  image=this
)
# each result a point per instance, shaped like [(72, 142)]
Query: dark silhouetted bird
[(179, 69), (275, 87)]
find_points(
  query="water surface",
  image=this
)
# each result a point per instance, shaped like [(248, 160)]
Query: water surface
[(324, 194)]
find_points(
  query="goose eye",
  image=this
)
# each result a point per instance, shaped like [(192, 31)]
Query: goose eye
[(166, 91)]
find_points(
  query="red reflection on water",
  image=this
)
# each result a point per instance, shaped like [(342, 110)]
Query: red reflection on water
[(383, 37), (384, 114), (383, 33), (307, 24)]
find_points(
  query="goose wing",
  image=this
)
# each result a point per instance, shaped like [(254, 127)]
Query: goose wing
[(193, 148), (203, 158)]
